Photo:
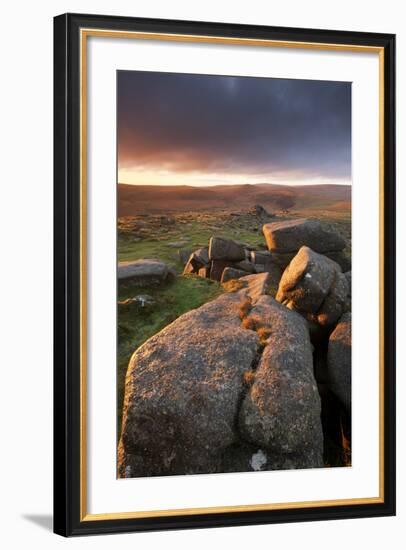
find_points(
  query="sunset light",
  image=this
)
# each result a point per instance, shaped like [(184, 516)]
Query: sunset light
[(207, 130)]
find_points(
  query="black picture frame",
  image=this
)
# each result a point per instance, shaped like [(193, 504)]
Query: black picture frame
[(67, 381)]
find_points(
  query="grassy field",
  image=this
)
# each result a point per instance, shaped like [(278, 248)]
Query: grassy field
[(193, 236)]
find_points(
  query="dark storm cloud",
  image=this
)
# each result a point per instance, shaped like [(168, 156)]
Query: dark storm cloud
[(234, 124)]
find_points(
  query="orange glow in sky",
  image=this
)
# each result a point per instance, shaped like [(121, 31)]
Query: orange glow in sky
[(140, 176)]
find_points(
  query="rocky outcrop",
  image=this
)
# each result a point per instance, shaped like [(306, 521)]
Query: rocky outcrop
[(339, 360), (225, 249), (225, 260), (186, 409), (197, 259), (260, 257), (144, 272), (246, 266), (217, 267), (255, 286), (230, 273), (281, 411), (285, 238), (259, 211), (289, 236), (222, 261), (184, 255), (315, 286)]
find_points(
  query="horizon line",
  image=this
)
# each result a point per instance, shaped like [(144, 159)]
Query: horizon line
[(349, 184)]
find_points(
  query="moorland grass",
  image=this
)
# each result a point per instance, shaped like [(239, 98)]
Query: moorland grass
[(136, 324)]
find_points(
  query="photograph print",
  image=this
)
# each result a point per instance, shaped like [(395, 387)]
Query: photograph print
[(233, 274)]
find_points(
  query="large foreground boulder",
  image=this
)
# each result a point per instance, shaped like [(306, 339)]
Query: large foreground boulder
[(281, 411), (315, 286), (182, 392), (339, 360), (144, 272), (289, 236), (186, 408)]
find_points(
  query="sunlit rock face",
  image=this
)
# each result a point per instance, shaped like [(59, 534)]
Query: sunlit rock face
[(285, 238), (281, 411), (144, 272), (289, 236), (315, 286)]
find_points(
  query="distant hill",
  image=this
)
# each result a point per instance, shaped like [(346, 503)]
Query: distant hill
[(135, 199)]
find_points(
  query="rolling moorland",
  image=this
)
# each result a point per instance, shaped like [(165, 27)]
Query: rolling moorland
[(136, 199), (168, 223)]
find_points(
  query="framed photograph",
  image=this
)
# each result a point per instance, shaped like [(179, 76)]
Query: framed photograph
[(224, 274)]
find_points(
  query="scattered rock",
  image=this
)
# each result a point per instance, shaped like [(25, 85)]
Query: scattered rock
[(264, 261), (189, 268), (283, 259), (144, 272), (255, 285), (199, 258), (184, 255), (339, 360), (245, 266), (225, 249), (217, 267), (201, 255), (141, 300), (289, 236), (204, 272), (314, 285), (230, 273), (260, 211), (260, 256), (166, 220), (281, 411)]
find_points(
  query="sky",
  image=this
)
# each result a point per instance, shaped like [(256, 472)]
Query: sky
[(185, 129)]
